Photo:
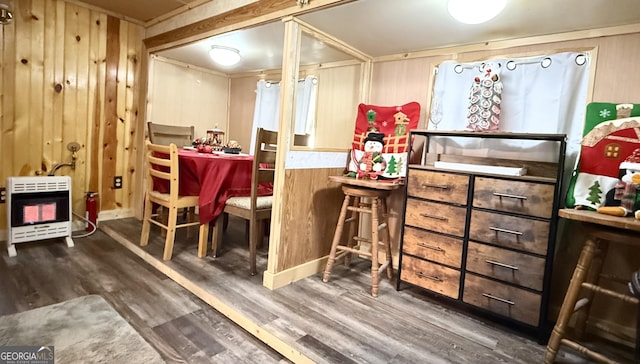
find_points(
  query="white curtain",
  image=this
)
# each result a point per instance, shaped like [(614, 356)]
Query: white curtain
[(535, 99), (267, 107)]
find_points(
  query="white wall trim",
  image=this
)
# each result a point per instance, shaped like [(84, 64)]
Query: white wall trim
[(313, 160)]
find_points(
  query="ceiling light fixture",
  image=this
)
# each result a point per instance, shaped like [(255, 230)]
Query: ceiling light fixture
[(224, 56), (475, 11)]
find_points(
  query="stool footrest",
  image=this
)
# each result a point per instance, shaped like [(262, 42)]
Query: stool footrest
[(383, 267), (598, 289), (352, 250), (586, 351), (361, 239), (359, 209), (351, 219)]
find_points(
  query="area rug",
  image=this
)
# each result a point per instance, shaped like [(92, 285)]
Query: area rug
[(82, 330)]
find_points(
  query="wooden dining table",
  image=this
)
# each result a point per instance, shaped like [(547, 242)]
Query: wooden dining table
[(215, 177)]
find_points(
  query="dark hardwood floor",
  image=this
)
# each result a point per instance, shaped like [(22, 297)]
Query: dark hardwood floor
[(334, 322), (180, 326)]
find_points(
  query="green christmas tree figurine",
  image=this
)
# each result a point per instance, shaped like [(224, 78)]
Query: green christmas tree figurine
[(371, 119)]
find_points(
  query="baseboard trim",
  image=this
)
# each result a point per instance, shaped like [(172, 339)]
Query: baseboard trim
[(274, 281)]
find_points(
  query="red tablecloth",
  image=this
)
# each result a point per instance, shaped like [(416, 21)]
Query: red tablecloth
[(215, 178)]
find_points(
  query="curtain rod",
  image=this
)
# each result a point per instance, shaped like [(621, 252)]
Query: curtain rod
[(268, 82)]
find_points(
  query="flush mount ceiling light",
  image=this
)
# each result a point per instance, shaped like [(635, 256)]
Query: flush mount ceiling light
[(475, 11), (224, 56)]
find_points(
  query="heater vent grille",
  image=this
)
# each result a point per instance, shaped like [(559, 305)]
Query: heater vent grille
[(25, 234), (39, 184)]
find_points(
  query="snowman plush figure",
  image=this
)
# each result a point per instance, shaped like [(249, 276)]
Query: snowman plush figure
[(624, 198), (372, 164)]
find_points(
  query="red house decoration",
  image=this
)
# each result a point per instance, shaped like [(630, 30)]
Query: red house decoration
[(604, 147)]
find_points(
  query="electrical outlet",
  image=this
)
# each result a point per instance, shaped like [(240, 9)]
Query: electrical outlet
[(117, 182), (3, 194)]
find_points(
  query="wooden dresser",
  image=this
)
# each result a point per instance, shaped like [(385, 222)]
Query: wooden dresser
[(481, 237)]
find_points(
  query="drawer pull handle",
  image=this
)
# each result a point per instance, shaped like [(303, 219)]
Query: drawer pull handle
[(442, 187), (432, 247), (433, 278), (509, 196), (513, 267), (499, 299), (496, 229), (433, 216)]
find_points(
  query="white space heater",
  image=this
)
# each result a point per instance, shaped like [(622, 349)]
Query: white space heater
[(38, 208)]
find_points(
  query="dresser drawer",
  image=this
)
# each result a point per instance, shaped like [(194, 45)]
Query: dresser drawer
[(431, 276), (438, 186), (527, 198), (447, 219), (517, 268), (435, 247), (502, 299), (509, 231)]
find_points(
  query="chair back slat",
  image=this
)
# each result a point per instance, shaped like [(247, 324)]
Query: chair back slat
[(264, 160), (162, 164), (166, 134)]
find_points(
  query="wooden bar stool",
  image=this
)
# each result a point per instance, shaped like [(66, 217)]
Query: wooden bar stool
[(601, 230), (355, 193)]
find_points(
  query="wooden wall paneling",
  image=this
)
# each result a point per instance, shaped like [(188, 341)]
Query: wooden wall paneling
[(183, 94), (96, 101), (133, 84), (7, 99), (22, 91), (309, 221), (338, 99), (109, 138), (49, 94), (36, 97), (70, 99), (59, 85), (82, 42), (242, 97), (404, 81), (137, 177), (121, 121)]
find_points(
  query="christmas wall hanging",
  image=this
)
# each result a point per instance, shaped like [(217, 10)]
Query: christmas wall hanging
[(485, 99), (381, 139)]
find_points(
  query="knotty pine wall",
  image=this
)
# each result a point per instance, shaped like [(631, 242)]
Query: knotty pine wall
[(70, 74)]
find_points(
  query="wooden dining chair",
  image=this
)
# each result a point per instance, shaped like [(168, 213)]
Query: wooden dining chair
[(256, 209), (167, 134), (162, 167)]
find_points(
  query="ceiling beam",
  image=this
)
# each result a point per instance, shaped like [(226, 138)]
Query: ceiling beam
[(257, 13)]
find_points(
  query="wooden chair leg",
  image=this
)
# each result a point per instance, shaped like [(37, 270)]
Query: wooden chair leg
[(202, 240), (225, 220), (218, 227), (146, 225), (171, 234), (190, 214), (570, 299), (253, 242)]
